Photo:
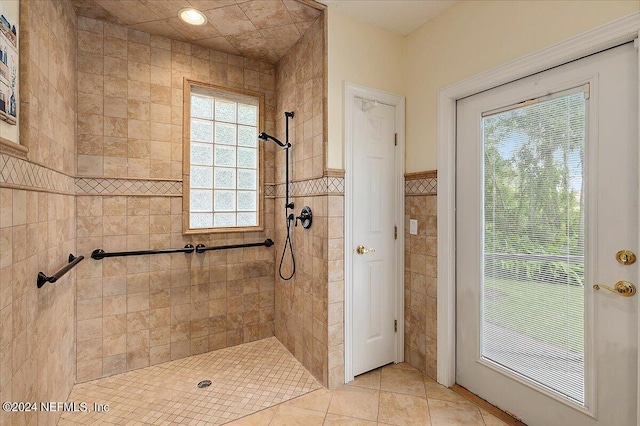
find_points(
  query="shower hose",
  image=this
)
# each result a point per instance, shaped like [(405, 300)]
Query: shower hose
[(288, 243)]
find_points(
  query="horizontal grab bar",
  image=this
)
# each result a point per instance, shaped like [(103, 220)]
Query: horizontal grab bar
[(73, 261), (201, 248), (99, 254)]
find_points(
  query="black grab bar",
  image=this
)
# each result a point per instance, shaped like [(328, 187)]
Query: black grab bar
[(201, 248), (99, 254), (73, 261)]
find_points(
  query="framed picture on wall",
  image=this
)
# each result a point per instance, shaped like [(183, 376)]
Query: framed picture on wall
[(9, 71)]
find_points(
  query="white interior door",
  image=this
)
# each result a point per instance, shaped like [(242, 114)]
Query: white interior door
[(373, 222), (547, 194)]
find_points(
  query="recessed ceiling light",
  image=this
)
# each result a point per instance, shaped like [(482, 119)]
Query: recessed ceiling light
[(192, 16)]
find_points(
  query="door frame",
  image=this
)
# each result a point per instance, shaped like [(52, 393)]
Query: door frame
[(351, 91), (600, 38)]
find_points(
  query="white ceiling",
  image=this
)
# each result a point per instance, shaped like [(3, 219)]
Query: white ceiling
[(400, 16)]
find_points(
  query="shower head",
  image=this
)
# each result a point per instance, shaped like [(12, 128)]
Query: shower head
[(263, 136)]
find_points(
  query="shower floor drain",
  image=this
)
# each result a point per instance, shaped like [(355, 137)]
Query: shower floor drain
[(204, 384)]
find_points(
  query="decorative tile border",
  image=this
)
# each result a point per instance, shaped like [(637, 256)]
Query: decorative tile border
[(335, 185), (424, 186), (19, 173), (327, 185), (116, 186), (421, 183), (270, 190), (16, 172)]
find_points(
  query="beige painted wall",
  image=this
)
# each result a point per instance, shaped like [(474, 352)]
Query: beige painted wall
[(362, 54), (475, 36)]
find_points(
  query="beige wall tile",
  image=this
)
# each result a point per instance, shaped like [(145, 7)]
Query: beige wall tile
[(89, 370), (138, 129), (90, 104), (115, 47), (159, 354), (139, 52), (113, 306), (139, 90), (420, 285), (294, 318), (115, 67), (141, 136), (88, 329), (89, 309), (160, 57), (137, 359), (90, 42), (138, 71), (115, 87), (41, 224), (114, 365), (90, 25)]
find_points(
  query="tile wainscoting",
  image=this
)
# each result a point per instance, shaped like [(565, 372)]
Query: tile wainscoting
[(139, 201), (327, 192), (310, 307), (420, 272)]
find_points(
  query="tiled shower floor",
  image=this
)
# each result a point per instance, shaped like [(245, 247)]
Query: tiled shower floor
[(261, 383), (245, 379)]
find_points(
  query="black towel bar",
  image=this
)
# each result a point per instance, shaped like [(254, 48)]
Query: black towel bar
[(201, 248), (73, 261)]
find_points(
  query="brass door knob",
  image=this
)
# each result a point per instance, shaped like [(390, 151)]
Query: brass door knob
[(363, 250), (623, 288)]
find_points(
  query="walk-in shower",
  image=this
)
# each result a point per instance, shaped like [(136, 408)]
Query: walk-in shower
[(305, 216)]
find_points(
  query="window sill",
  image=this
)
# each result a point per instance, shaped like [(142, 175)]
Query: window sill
[(222, 230)]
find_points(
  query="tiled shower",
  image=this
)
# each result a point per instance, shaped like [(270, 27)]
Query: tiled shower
[(140, 311), (101, 117), (113, 181)]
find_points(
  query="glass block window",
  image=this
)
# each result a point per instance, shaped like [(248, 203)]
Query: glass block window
[(224, 165)]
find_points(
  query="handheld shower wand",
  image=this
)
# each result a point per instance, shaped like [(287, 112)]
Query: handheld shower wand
[(288, 205)]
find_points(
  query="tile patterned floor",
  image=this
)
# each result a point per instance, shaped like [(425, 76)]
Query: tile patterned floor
[(264, 383), (392, 395), (245, 379)]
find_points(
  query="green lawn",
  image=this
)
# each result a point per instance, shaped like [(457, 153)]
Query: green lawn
[(551, 313)]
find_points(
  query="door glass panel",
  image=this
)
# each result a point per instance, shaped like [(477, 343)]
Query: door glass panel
[(533, 254)]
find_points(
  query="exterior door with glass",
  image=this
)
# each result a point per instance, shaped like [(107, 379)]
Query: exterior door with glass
[(547, 194)]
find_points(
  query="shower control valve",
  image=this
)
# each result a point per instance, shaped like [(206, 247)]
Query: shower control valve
[(305, 218)]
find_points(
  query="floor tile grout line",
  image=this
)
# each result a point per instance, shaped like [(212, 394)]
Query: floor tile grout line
[(428, 408)]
